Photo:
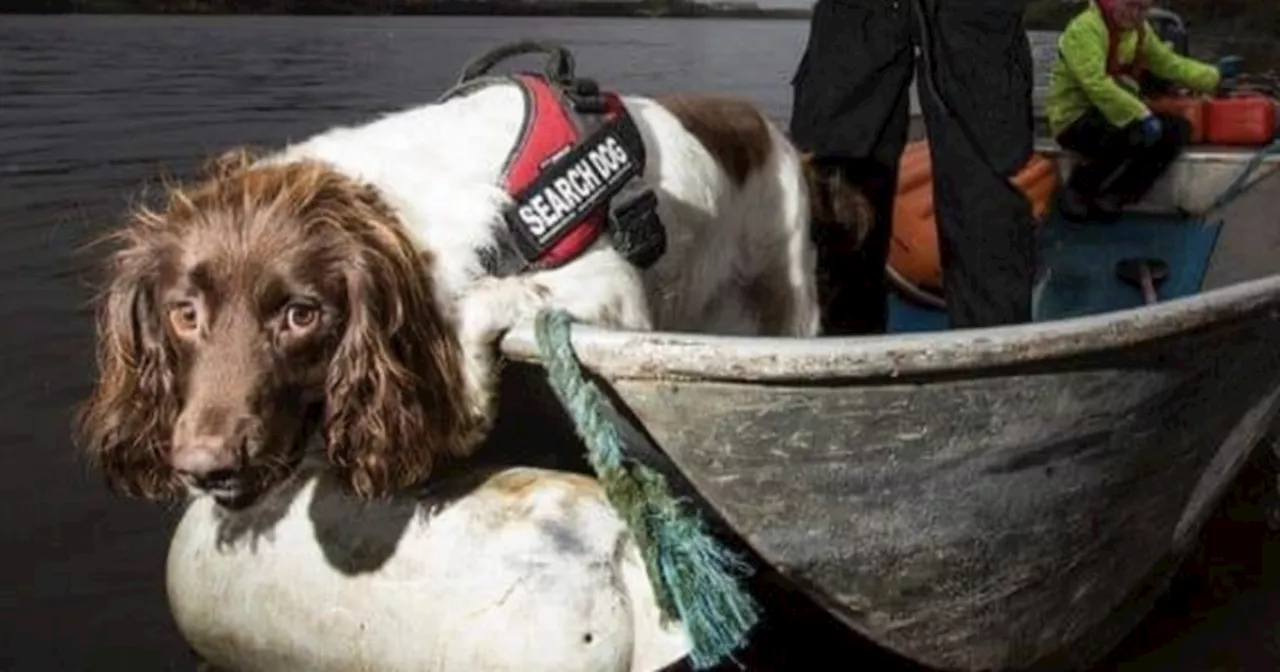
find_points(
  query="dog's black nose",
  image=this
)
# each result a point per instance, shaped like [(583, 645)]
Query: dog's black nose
[(221, 479)]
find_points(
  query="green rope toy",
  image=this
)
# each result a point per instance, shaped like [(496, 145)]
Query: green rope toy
[(692, 575)]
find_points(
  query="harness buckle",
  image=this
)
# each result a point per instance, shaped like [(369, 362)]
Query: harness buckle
[(584, 94), (635, 228)]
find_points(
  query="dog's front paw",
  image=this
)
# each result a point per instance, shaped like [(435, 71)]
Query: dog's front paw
[(489, 307)]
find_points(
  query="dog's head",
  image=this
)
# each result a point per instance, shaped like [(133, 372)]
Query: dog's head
[(254, 307)]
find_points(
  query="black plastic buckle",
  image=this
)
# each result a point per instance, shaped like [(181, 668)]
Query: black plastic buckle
[(584, 94), (636, 230)]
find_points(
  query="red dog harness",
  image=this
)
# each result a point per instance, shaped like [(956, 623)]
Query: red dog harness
[(576, 154)]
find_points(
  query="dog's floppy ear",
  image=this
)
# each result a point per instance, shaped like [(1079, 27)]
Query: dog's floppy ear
[(126, 425), (395, 398), (838, 207), (841, 220)]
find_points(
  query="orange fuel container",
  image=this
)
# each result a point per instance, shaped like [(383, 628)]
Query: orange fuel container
[(1190, 108), (1240, 119), (913, 250)]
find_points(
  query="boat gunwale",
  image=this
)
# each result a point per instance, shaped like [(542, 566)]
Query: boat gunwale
[(641, 355), (1195, 154)]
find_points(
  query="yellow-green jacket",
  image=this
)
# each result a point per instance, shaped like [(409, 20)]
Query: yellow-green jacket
[(1079, 79)]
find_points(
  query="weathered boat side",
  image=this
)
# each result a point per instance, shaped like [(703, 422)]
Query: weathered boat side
[(987, 499), (1194, 182)]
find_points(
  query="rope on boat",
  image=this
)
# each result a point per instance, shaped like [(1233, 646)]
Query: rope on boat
[(1238, 185), (693, 576)]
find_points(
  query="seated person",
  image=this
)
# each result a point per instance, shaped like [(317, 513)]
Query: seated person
[(1094, 108)]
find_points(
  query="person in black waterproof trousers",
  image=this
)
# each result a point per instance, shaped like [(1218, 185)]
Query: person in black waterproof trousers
[(974, 78)]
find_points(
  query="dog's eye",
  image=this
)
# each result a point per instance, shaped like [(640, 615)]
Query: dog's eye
[(301, 317), (184, 317)]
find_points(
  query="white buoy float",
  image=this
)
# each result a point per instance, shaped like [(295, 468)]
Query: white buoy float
[(519, 569)]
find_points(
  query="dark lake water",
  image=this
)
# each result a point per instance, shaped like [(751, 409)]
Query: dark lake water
[(92, 107)]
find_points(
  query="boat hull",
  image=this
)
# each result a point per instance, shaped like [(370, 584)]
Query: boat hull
[(996, 499)]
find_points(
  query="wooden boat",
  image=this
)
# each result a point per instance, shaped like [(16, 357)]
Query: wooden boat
[(990, 499)]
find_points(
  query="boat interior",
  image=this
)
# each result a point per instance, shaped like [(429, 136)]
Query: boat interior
[(1211, 221)]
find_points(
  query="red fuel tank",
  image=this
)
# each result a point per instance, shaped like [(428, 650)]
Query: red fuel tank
[(1244, 118)]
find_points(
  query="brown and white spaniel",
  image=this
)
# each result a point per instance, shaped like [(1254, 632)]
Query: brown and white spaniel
[(337, 285)]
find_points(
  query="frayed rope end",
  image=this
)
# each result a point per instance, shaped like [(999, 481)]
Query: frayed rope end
[(693, 576)]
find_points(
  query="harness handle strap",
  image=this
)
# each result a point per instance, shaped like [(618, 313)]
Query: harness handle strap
[(583, 93), (559, 67)]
